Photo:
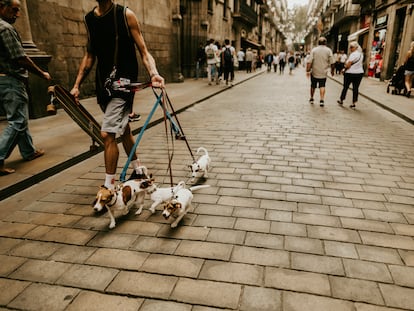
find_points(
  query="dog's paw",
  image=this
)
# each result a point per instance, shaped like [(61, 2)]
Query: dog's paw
[(174, 225), (152, 211), (112, 225), (138, 212)]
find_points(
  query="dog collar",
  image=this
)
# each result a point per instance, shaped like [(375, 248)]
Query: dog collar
[(151, 191), (112, 204)]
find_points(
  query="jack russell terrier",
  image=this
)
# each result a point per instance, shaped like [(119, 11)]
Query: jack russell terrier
[(121, 199), (180, 204), (200, 167), (160, 195)]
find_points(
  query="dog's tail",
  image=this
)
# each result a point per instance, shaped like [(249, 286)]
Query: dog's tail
[(202, 149), (194, 188)]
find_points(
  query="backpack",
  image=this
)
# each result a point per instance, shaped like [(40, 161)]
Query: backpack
[(227, 57), (210, 53)]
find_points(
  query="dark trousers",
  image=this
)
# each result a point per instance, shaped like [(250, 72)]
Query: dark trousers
[(354, 79), (228, 71)]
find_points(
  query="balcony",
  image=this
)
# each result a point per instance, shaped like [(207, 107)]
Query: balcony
[(344, 14), (332, 5), (245, 14)]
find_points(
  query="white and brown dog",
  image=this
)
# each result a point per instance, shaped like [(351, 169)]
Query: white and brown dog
[(180, 204), (122, 198), (160, 195), (201, 166)]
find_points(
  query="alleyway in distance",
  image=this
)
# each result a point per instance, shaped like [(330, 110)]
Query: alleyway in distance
[(309, 208)]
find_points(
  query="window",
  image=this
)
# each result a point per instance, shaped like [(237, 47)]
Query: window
[(225, 4), (210, 5)]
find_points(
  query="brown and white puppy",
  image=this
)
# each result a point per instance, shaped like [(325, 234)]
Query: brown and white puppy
[(121, 199), (201, 166), (160, 195), (180, 204)]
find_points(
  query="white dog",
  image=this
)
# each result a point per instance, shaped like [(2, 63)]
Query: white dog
[(160, 195), (180, 204), (122, 198), (200, 168)]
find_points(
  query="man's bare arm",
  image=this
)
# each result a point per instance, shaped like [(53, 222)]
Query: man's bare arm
[(84, 69), (147, 58)]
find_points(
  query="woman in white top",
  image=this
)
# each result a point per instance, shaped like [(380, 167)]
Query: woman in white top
[(353, 73)]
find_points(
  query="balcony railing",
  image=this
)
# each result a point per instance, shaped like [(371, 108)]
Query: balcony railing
[(345, 14), (245, 14)]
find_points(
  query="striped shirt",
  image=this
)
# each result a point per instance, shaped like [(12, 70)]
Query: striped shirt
[(11, 49)]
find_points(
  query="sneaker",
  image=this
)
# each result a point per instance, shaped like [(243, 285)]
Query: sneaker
[(311, 101), (321, 103), (340, 102), (134, 117)]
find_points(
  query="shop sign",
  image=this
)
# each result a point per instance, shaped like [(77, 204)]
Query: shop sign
[(381, 21)]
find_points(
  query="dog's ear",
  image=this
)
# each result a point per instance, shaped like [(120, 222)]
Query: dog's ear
[(177, 205)]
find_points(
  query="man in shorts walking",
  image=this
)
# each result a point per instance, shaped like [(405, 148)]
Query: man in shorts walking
[(105, 23), (320, 60)]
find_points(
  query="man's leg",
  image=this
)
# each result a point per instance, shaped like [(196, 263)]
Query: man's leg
[(128, 144), (322, 95), (111, 154), (209, 74)]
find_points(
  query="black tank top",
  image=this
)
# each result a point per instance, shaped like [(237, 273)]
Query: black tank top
[(410, 63), (101, 35)]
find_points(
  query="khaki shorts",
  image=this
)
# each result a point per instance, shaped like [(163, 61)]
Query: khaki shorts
[(115, 119)]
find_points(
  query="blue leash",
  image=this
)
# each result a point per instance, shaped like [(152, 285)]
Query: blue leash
[(141, 133)]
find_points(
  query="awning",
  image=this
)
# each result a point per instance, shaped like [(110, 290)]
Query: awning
[(354, 36), (250, 44)]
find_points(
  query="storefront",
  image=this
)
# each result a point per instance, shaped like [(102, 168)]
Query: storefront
[(377, 47)]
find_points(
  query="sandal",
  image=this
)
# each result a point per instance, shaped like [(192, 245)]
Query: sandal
[(6, 171), (35, 155)]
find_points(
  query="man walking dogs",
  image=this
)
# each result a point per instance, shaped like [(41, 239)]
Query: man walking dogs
[(320, 60), (14, 99), (113, 34)]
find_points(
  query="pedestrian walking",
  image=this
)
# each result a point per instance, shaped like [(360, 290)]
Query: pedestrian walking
[(227, 60), (113, 34), (240, 58), (353, 73), (320, 61), (269, 61), (249, 60), (342, 60), (282, 62), (211, 51), (291, 62), (409, 70), (275, 62), (14, 99), (200, 61)]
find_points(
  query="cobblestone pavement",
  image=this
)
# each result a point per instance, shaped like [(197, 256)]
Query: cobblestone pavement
[(309, 208)]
